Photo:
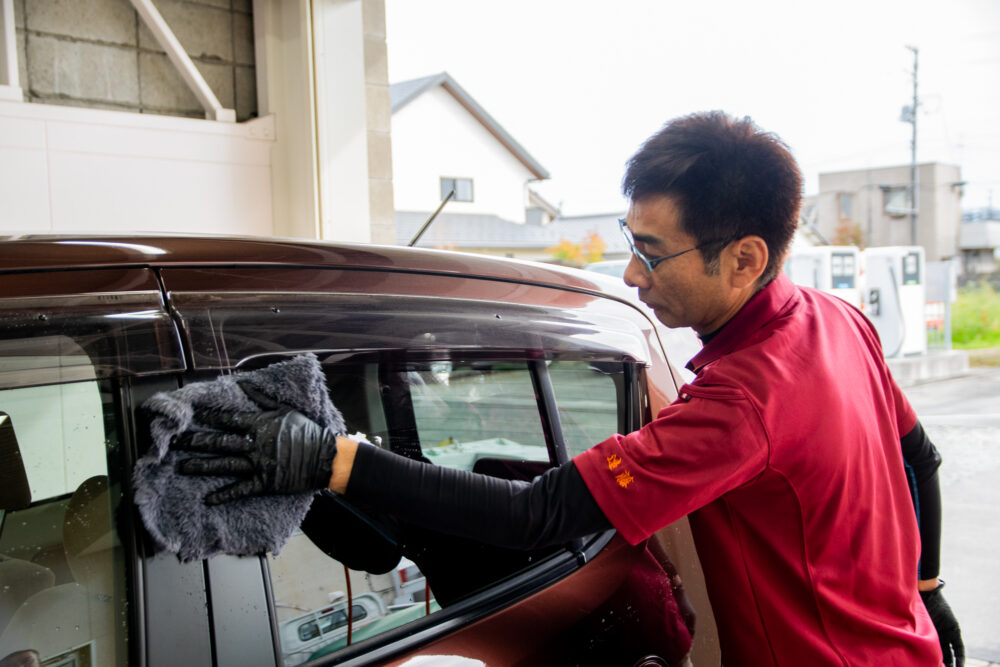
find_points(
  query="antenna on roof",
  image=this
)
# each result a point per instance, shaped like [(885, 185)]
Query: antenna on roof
[(427, 224)]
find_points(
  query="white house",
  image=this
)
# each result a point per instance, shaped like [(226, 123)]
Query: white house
[(443, 140)]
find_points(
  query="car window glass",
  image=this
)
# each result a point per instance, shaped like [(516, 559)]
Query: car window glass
[(588, 395), (59, 339), (62, 584), (468, 412), (471, 414)]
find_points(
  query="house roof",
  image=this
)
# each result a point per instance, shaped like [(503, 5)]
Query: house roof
[(538, 201), (469, 230), (404, 92)]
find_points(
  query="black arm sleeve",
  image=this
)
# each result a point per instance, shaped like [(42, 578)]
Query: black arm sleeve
[(922, 462), (551, 509)]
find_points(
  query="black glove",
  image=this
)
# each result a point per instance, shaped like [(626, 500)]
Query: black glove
[(275, 452), (949, 634)]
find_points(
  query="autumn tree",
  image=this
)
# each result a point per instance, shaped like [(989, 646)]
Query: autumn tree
[(848, 232), (591, 249)]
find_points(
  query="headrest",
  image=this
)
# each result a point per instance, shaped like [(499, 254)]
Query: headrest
[(15, 493)]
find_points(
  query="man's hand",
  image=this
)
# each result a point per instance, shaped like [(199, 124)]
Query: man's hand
[(274, 452), (949, 634)]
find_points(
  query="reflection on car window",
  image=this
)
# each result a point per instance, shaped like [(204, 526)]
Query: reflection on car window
[(62, 585), (308, 630)]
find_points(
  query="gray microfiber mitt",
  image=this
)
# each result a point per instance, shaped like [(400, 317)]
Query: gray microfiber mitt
[(172, 505)]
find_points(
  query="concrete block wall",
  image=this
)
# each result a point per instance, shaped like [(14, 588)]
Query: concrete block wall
[(99, 54)]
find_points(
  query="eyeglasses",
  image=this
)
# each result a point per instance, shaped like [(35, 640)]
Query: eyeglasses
[(652, 262)]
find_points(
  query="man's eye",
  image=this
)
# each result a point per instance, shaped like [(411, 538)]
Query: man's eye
[(643, 249)]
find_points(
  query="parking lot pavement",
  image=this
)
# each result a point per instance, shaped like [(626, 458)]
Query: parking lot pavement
[(962, 417)]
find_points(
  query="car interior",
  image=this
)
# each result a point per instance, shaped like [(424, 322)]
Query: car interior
[(61, 562)]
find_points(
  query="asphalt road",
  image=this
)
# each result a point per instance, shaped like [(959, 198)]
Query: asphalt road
[(962, 418)]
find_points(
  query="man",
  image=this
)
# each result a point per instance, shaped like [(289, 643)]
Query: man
[(787, 450)]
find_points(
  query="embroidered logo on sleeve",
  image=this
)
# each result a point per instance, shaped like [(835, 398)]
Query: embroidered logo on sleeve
[(614, 461), (624, 479)]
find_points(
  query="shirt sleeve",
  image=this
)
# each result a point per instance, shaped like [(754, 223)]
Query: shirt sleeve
[(708, 442), (906, 418)]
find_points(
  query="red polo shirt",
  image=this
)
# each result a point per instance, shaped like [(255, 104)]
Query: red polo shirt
[(785, 449)]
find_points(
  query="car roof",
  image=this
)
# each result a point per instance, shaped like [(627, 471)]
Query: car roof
[(57, 253)]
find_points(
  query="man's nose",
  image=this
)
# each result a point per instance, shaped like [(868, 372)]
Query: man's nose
[(636, 275)]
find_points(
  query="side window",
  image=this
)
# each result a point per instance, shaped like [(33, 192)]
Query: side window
[(473, 411), (62, 582), (479, 414), (591, 400)]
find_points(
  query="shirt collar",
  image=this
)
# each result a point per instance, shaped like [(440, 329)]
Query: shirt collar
[(755, 313)]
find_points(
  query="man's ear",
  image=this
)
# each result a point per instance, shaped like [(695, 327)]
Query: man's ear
[(748, 259)]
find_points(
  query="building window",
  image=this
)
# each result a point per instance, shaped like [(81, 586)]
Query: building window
[(461, 186), (846, 201), (896, 200)]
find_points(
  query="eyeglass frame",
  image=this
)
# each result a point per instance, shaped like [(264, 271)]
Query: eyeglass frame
[(652, 262)]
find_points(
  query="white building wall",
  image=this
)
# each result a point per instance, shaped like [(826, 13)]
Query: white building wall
[(939, 203), (434, 136), (945, 208), (342, 130), (68, 169)]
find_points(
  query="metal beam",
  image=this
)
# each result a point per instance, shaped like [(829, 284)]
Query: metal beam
[(192, 77)]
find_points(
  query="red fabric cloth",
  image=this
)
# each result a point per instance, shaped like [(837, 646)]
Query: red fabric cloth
[(786, 448)]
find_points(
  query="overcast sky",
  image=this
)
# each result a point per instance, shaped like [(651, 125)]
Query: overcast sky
[(581, 83)]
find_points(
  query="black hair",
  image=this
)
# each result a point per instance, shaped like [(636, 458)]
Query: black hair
[(729, 179)]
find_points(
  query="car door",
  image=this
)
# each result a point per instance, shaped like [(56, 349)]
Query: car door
[(470, 373)]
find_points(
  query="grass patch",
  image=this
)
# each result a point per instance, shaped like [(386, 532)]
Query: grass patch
[(975, 318), (989, 356)]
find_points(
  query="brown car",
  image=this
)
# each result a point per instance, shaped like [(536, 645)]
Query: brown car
[(481, 363)]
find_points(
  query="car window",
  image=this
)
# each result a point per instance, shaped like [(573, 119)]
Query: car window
[(59, 339), (62, 582), (481, 414), (470, 411), (588, 395)]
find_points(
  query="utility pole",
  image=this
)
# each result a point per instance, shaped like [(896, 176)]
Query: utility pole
[(910, 116)]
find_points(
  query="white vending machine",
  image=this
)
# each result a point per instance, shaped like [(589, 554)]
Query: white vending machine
[(833, 269), (895, 297)]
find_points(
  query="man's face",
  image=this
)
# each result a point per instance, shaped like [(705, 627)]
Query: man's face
[(679, 290)]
